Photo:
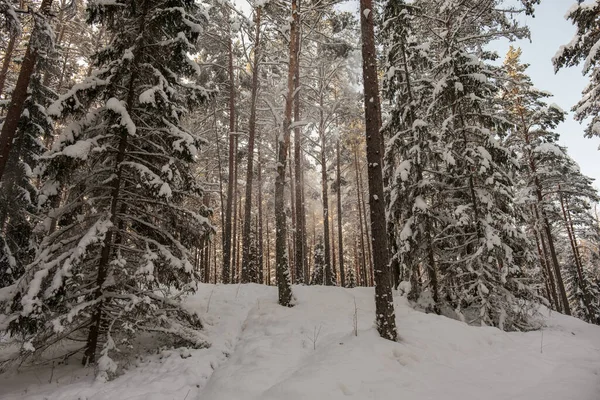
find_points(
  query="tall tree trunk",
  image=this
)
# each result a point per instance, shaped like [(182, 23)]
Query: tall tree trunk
[(339, 215), (543, 218), (292, 232), (268, 266), (549, 270), (551, 294), (215, 273), (328, 273), (19, 95), (234, 220), (6, 62), (574, 249), (238, 230), (300, 262), (333, 251), (226, 273), (107, 245), (221, 199), (384, 305), (369, 265), (281, 256), (362, 276), (260, 219), (307, 251), (250, 166)]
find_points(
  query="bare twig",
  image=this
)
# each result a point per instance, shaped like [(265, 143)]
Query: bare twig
[(355, 318), (209, 297)]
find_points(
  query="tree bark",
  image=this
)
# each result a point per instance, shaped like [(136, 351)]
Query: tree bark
[(260, 220), (107, 245), (283, 143), (339, 216), (327, 271), (226, 273), (250, 166), (543, 218), (300, 238), (369, 255), (574, 249), (6, 62), (234, 220), (361, 275), (384, 305)]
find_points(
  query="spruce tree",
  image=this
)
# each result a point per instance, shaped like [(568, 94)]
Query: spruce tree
[(133, 206), (19, 210), (444, 91), (583, 49)]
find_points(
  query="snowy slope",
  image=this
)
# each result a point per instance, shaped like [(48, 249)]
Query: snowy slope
[(263, 351)]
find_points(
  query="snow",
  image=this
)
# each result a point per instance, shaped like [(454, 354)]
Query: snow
[(118, 107), (263, 351)]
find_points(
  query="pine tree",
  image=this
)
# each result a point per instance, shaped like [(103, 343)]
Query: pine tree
[(583, 48), (128, 221), (533, 139)]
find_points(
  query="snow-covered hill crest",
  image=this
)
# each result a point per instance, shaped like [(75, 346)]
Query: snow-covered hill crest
[(311, 351)]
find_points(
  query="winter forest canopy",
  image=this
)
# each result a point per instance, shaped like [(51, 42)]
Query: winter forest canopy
[(148, 146)]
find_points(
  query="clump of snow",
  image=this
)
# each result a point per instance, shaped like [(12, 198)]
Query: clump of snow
[(118, 107)]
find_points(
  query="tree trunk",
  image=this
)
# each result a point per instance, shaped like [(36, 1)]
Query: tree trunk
[(250, 166), (226, 273), (333, 252), (384, 305), (234, 220), (327, 272), (19, 95), (281, 256), (238, 227), (6, 62), (300, 238), (292, 232), (260, 220), (107, 245), (362, 276), (574, 249), (268, 254), (339, 216), (221, 199), (549, 271), (369, 255), (542, 217), (307, 251)]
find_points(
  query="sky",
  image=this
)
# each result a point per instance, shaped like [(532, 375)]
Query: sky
[(550, 30)]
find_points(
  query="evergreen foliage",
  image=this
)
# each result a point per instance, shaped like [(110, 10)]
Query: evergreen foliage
[(318, 274), (119, 260)]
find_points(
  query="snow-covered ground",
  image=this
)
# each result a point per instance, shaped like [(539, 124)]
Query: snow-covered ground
[(263, 351)]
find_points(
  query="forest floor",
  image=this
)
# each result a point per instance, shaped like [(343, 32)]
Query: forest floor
[(263, 351)]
